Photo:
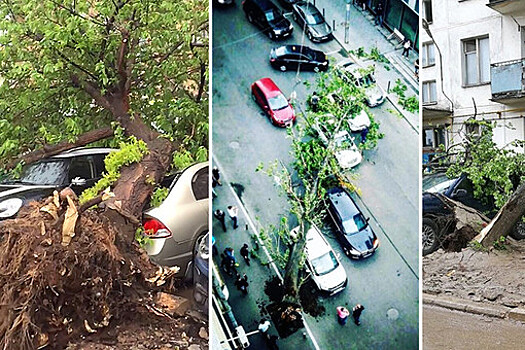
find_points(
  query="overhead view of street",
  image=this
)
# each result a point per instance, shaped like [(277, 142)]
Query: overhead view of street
[(246, 136)]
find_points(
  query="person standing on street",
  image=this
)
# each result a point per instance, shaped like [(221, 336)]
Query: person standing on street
[(356, 313), (216, 176), (219, 214), (244, 253), (406, 48), (379, 14), (364, 132), (416, 68), (264, 325), (342, 315), (242, 283), (233, 211)]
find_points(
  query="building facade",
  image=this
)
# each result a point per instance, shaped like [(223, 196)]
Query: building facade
[(472, 63)]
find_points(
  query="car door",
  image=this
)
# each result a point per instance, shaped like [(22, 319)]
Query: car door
[(258, 96), (300, 18)]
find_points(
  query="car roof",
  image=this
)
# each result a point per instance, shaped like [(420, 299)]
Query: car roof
[(84, 151), (264, 4), (316, 244), (293, 48), (268, 87), (342, 202), (307, 7)]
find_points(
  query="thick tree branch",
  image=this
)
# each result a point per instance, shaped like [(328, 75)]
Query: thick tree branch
[(92, 91)]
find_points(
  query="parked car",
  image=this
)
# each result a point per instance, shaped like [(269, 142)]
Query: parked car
[(287, 4), (345, 150), (267, 16), (355, 235), (273, 102), (201, 272), (79, 169), (325, 268), (224, 2), (356, 121), (297, 56), (459, 189), (311, 21), (355, 74), (180, 223)]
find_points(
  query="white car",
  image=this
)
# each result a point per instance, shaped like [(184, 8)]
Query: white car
[(326, 270), (353, 73), (345, 150), (356, 122)]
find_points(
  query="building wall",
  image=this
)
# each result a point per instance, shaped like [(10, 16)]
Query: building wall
[(454, 21)]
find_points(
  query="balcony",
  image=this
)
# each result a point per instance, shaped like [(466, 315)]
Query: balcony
[(508, 7), (507, 83)]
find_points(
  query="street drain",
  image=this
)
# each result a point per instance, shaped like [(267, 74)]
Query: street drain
[(234, 145), (392, 314)]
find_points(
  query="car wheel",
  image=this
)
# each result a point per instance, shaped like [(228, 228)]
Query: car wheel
[(316, 69), (518, 232), (283, 68), (429, 236), (249, 17), (197, 243), (310, 36)]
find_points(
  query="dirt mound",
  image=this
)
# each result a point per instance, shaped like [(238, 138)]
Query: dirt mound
[(51, 292), (494, 276)]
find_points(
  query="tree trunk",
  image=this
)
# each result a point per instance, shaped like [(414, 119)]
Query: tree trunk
[(507, 217), (291, 276), (51, 150)]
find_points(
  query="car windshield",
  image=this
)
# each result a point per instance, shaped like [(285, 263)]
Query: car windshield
[(354, 224), (278, 102), (50, 172), (366, 80), (314, 17), (272, 15), (437, 183), (281, 51), (324, 264), (343, 142)]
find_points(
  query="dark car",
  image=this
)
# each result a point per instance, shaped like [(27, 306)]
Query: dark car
[(273, 102), (298, 56), (459, 189), (312, 22), (353, 231), (288, 3), (79, 168), (267, 16)]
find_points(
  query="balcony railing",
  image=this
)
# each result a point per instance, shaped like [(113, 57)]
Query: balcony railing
[(506, 80), (508, 7)]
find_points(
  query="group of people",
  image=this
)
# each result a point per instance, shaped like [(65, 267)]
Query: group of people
[(343, 313), (229, 264)]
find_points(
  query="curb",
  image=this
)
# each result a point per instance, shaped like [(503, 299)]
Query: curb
[(458, 304)]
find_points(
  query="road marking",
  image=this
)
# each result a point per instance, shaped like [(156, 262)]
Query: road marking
[(254, 230)]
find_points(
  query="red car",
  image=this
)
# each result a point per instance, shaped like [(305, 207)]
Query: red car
[(273, 102)]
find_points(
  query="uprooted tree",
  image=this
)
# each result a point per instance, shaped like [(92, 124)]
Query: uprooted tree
[(105, 72), (495, 173)]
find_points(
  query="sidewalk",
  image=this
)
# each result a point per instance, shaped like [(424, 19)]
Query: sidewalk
[(248, 309), (361, 30)]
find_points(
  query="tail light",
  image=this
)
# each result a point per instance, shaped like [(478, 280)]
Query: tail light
[(272, 59), (155, 229)]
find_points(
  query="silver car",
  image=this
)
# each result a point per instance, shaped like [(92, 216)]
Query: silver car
[(356, 74), (180, 223)]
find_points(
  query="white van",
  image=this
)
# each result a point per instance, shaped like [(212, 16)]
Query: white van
[(325, 268)]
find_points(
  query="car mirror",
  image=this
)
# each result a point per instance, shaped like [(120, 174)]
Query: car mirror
[(78, 181)]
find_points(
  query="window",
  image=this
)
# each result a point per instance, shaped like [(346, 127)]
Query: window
[(429, 57), (427, 10), (476, 61), (199, 184), (429, 92), (434, 137), (81, 167)]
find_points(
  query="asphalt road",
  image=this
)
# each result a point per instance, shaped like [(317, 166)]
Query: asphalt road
[(444, 329), (387, 283)]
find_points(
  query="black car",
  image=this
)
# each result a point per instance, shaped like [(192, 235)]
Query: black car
[(267, 16), (288, 3), (78, 168), (297, 56), (312, 22), (459, 189), (355, 235)]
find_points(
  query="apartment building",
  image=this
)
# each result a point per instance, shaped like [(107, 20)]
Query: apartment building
[(472, 61)]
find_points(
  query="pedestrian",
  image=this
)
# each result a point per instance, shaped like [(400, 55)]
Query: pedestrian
[(225, 263), (406, 48), (214, 249), (244, 253), (314, 102), (216, 177), (356, 313), (379, 14), (219, 214), (242, 283), (342, 315), (264, 325), (233, 211), (272, 342), (364, 133), (416, 68)]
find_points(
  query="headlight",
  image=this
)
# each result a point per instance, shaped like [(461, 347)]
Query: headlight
[(355, 252), (10, 207)]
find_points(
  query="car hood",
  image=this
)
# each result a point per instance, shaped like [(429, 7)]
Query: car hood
[(25, 191), (361, 241), (320, 30), (280, 24), (359, 122), (374, 94), (284, 115), (332, 279), (348, 158)]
